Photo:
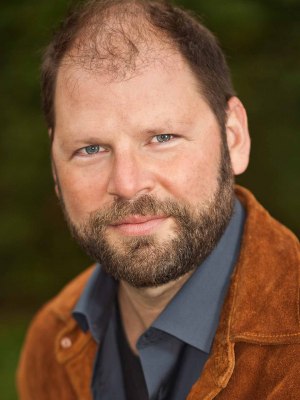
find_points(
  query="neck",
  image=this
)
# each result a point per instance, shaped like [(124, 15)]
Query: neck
[(140, 307)]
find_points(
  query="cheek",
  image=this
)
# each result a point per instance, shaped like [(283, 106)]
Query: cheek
[(82, 192), (193, 178)]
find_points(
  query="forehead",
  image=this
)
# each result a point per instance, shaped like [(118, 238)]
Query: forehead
[(166, 68), (162, 89)]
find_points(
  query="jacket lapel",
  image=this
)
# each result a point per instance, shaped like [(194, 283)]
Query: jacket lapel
[(262, 304), (76, 351), (219, 367)]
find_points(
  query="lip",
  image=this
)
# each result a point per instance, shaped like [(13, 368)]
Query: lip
[(137, 225)]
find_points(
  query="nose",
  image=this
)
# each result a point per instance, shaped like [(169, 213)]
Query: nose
[(130, 176)]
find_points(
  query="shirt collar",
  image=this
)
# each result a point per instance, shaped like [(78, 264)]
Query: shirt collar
[(94, 307), (193, 314)]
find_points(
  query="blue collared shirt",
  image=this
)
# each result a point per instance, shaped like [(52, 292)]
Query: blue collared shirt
[(175, 348)]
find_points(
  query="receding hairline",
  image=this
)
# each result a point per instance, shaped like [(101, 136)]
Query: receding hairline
[(118, 46), (114, 37), (71, 75)]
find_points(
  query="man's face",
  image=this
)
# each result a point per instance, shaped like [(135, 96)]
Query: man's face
[(143, 176)]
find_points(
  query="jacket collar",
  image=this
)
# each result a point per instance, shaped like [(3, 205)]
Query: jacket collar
[(266, 303), (262, 305)]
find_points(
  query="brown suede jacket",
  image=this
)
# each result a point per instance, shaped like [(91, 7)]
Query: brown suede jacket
[(256, 351)]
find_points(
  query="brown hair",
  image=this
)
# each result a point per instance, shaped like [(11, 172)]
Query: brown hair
[(112, 33)]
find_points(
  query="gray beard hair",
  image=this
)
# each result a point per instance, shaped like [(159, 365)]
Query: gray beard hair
[(145, 261)]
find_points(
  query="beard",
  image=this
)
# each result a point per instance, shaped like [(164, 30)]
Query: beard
[(146, 261)]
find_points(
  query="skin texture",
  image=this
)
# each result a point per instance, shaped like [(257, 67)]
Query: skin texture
[(124, 118)]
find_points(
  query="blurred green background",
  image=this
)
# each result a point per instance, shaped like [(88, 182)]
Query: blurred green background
[(262, 42)]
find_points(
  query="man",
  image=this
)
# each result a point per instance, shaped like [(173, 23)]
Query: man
[(195, 290)]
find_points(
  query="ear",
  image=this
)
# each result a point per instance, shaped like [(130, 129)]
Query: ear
[(238, 138), (53, 168), (50, 134), (55, 178)]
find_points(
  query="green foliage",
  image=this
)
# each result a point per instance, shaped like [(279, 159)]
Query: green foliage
[(12, 329), (261, 40)]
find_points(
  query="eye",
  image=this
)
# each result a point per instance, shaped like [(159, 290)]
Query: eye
[(92, 149), (165, 137)]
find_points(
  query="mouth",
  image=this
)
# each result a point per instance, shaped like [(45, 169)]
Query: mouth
[(138, 225)]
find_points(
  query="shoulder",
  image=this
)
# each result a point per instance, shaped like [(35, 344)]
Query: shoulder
[(266, 307), (41, 350), (261, 223)]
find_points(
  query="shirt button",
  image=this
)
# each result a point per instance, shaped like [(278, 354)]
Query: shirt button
[(66, 343)]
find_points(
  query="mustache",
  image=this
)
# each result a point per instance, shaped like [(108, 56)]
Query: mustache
[(143, 205)]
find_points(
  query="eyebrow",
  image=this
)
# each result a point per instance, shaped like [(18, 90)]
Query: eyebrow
[(157, 131), (167, 127), (87, 140)]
